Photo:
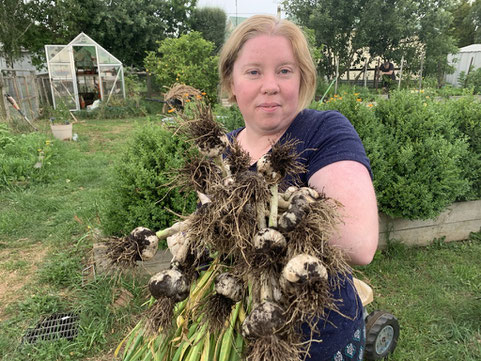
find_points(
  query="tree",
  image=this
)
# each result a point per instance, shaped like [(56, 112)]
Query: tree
[(334, 23), (386, 28), (463, 27), (435, 23), (126, 28), (15, 22), (476, 18), (186, 60), (210, 22)]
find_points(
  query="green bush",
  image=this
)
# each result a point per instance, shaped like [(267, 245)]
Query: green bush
[(466, 114), (25, 158), (471, 81), (416, 151), (186, 60), (371, 131), (425, 153), (230, 117), (139, 194)]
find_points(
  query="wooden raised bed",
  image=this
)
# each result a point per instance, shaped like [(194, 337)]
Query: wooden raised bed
[(454, 224)]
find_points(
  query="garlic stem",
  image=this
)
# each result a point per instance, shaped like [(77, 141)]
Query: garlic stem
[(177, 227), (274, 206), (261, 215)]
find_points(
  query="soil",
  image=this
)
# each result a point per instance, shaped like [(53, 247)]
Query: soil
[(13, 279)]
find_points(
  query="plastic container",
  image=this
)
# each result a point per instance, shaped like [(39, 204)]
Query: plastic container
[(62, 131)]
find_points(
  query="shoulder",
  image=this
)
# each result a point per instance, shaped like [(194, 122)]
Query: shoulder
[(313, 126), (310, 121)]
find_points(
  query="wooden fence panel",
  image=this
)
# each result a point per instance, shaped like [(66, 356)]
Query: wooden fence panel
[(22, 86)]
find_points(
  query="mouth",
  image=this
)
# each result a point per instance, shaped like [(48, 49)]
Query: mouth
[(268, 107)]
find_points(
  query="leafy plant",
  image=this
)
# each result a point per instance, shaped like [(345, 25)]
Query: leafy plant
[(466, 115), (187, 60), (230, 117), (24, 158), (140, 194), (471, 80), (424, 154), (417, 152)]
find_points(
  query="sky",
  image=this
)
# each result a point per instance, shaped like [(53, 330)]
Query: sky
[(245, 8)]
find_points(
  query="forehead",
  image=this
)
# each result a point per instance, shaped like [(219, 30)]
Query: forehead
[(266, 48)]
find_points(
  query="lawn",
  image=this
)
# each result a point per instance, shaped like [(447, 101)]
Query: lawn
[(46, 237)]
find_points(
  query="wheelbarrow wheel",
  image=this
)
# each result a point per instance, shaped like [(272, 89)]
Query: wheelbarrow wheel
[(382, 333)]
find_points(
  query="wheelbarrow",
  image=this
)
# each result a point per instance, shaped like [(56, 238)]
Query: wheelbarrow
[(382, 328)]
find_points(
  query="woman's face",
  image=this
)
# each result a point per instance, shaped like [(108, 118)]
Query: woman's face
[(265, 82)]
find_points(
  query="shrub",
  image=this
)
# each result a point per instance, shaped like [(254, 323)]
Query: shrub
[(24, 158), (230, 117), (471, 81), (466, 114), (139, 194), (187, 60), (416, 151), (424, 150)]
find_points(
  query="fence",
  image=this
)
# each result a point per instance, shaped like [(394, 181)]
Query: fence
[(29, 91)]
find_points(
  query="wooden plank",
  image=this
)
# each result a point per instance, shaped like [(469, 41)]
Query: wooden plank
[(423, 236), (454, 224), (459, 211)]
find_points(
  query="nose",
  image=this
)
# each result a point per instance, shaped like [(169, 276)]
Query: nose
[(270, 84)]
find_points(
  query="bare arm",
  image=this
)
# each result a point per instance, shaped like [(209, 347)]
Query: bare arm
[(349, 182)]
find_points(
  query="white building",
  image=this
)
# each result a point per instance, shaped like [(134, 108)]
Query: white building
[(468, 56)]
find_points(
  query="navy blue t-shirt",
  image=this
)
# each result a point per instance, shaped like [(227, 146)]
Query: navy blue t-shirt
[(328, 137)]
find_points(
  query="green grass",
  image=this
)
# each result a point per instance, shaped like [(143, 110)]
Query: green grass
[(435, 292), (47, 232), (46, 237)]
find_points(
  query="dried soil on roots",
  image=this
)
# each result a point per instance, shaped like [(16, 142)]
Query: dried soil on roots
[(284, 159), (198, 173), (312, 234), (217, 309), (228, 224), (123, 252), (159, 316), (273, 348)]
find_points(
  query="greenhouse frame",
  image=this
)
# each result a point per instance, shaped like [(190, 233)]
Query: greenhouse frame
[(82, 72)]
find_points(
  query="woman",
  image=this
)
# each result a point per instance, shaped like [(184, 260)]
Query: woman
[(266, 68)]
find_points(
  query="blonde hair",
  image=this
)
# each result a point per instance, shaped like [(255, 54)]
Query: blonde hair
[(269, 25)]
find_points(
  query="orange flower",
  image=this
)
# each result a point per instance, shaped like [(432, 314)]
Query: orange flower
[(370, 105), (187, 100), (204, 93), (171, 110), (199, 96), (359, 100)]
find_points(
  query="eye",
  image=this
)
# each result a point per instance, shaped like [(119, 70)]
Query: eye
[(253, 72), (285, 71)]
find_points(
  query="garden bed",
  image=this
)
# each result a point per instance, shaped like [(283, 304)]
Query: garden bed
[(454, 224)]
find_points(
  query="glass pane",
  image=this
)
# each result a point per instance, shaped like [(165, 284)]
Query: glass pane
[(53, 50), (84, 57), (62, 56), (112, 82), (63, 92), (82, 39), (60, 71), (105, 57)]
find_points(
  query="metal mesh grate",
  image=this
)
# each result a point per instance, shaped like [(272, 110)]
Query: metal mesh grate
[(58, 325)]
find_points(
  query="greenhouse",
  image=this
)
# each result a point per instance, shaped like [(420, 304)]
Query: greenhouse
[(82, 72)]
